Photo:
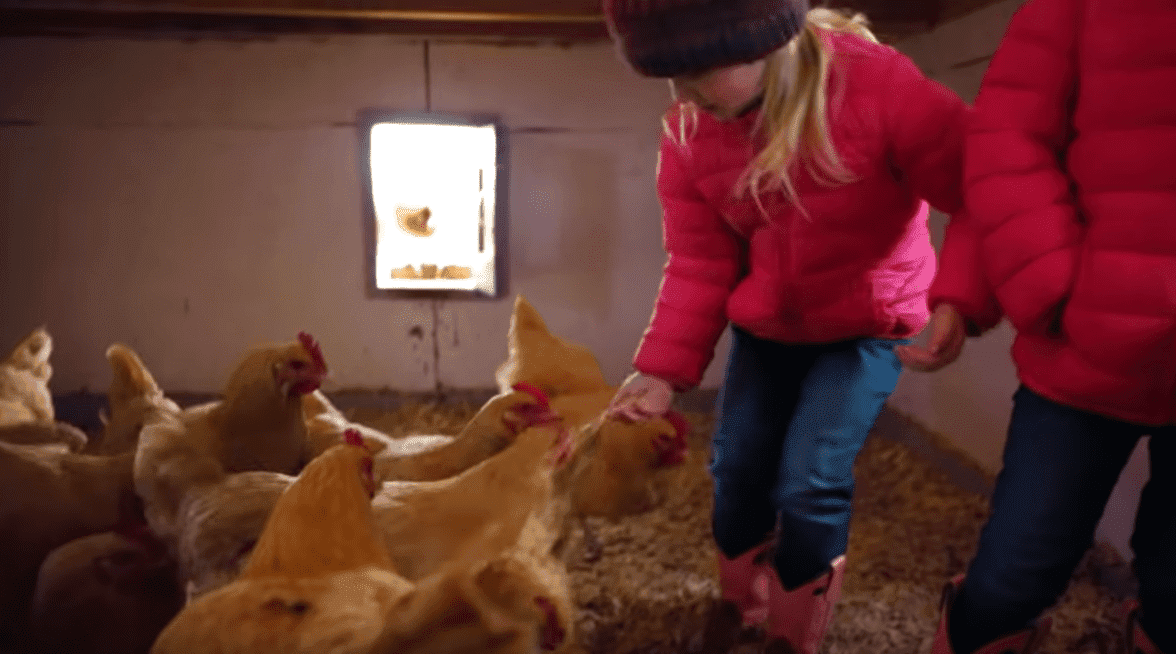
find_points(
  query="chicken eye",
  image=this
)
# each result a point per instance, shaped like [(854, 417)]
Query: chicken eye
[(297, 365)]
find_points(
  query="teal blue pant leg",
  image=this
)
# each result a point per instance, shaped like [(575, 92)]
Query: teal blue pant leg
[(840, 400)]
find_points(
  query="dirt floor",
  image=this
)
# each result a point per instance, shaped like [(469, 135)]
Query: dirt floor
[(655, 587)]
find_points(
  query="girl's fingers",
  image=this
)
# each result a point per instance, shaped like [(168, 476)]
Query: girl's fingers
[(916, 358)]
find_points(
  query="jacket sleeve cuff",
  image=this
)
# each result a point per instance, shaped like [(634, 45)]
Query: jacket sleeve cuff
[(680, 366)]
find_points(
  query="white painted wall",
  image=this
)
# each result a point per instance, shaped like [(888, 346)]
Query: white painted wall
[(970, 401), (192, 198)]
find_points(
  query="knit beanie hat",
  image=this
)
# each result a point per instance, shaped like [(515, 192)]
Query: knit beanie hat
[(668, 38)]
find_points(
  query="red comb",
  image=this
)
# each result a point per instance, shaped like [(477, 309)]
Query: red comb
[(352, 437), (143, 536), (312, 348), (681, 427), (534, 391), (553, 633), (671, 450)]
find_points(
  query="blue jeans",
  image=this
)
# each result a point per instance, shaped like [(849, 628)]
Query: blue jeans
[(792, 419), (1060, 465)]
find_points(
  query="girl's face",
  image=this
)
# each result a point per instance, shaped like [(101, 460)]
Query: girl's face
[(726, 92)]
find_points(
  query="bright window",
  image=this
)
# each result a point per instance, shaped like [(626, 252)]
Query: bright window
[(433, 191)]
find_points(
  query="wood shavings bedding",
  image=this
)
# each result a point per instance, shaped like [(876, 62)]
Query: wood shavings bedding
[(656, 585)]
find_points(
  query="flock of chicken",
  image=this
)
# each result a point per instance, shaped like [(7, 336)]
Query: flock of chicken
[(267, 521)]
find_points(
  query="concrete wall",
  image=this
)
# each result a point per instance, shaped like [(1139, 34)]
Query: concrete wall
[(191, 198), (970, 402)]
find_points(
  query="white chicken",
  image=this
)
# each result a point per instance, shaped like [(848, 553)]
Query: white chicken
[(24, 381), (27, 416)]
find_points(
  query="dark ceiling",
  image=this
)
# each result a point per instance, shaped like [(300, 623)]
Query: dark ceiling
[(560, 20)]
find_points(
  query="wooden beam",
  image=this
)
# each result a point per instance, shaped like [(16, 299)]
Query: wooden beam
[(889, 10), (568, 21), (125, 20), (421, 10)]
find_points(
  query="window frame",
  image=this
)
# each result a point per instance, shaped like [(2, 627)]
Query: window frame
[(369, 118)]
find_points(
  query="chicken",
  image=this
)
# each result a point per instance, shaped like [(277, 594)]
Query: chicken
[(24, 381), (535, 355), (481, 510), (109, 593), (60, 436), (50, 497), (492, 429), (258, 426), (221, 523), (428, 457), (618, 468), (498, 511), (415, 221), (210, 525), (326, 424), (503, 509), (320, 580), (337, 491), (26, 405), (499, 606), (212, 520), (133, 393)]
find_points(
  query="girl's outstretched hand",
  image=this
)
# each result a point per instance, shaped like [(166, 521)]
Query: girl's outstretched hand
[(945, 341), (641, 397)]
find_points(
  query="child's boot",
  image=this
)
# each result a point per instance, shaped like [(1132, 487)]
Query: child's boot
[(744, 582), (800, 618), (1027, 641)]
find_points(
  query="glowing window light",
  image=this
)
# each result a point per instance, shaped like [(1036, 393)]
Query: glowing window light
[(433, 190)]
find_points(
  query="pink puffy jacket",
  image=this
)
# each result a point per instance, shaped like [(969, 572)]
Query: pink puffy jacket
[(1070, 174), (860, 264)]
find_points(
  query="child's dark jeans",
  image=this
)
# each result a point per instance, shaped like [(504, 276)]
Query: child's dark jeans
[(1060, 465), (792, 419)]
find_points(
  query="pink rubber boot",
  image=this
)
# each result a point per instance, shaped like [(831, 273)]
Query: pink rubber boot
[(1136, 641), (744, 582), (802, 616), (1021, 642)]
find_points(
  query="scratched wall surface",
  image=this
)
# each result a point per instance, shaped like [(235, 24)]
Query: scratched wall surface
[(191, 198)]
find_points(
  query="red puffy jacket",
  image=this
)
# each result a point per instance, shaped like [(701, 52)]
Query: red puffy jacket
[(859, 265), (1070, 174)]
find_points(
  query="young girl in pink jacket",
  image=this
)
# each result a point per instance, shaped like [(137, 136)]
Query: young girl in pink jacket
[(795, 171), (1070, 176)]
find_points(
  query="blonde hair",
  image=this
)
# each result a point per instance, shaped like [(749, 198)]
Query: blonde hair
[(795, 111)]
